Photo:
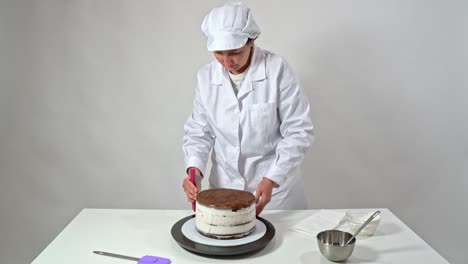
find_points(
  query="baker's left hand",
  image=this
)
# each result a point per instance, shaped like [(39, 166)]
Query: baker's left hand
[(263, 194)]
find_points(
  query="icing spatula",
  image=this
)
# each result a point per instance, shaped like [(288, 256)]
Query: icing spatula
[(143, 260), (192, 179)]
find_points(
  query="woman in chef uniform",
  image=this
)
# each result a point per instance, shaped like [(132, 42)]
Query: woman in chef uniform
[(250, 109)]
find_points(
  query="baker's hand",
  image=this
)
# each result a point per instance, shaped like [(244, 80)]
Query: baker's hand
[(263, 193), (190, 189)]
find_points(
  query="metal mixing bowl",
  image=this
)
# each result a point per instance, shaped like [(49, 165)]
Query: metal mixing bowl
[(332, 244)]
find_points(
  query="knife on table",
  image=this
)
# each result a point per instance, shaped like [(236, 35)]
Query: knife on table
[(143, 260)]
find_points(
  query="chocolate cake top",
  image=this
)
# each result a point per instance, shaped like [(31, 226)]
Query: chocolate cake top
[(225, 198)]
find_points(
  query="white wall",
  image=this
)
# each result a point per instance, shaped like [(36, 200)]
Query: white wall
[(94, 94)]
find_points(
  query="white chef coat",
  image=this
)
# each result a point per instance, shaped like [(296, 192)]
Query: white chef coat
[(264, 131)]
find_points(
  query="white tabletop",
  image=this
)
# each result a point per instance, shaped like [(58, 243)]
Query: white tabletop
[(148, 232)]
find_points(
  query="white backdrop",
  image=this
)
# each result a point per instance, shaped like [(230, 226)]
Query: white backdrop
[(94, 94)]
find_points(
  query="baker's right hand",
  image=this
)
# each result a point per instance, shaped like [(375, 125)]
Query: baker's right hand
[(190, 189)]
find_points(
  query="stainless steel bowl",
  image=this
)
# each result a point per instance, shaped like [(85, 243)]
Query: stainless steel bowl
[(332, 244)]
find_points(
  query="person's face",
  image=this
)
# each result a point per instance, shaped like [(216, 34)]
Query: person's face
[(235, 61)]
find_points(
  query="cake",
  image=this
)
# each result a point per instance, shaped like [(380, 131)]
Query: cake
[(225, 213)]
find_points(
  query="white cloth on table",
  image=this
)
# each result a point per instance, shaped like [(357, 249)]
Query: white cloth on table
[(321, 220)]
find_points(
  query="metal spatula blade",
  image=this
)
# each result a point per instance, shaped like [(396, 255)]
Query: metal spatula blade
[(142, 260), (115, 255)]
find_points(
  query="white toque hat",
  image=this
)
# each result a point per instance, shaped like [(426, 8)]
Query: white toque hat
[(229, 27)]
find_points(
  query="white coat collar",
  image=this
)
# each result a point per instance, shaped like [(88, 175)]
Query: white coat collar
[(257, 68)]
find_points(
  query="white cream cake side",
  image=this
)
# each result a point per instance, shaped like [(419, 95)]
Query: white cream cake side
[(225, 223)]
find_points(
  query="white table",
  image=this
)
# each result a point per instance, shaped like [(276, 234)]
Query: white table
[(148, 232)]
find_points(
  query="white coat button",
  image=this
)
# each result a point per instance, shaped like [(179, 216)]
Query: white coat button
[(236, 112)]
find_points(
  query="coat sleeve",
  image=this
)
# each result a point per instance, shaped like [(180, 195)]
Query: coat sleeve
[(198, 137), (296, 127)]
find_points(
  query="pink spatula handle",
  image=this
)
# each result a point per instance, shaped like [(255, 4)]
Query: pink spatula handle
[(192, 179)]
